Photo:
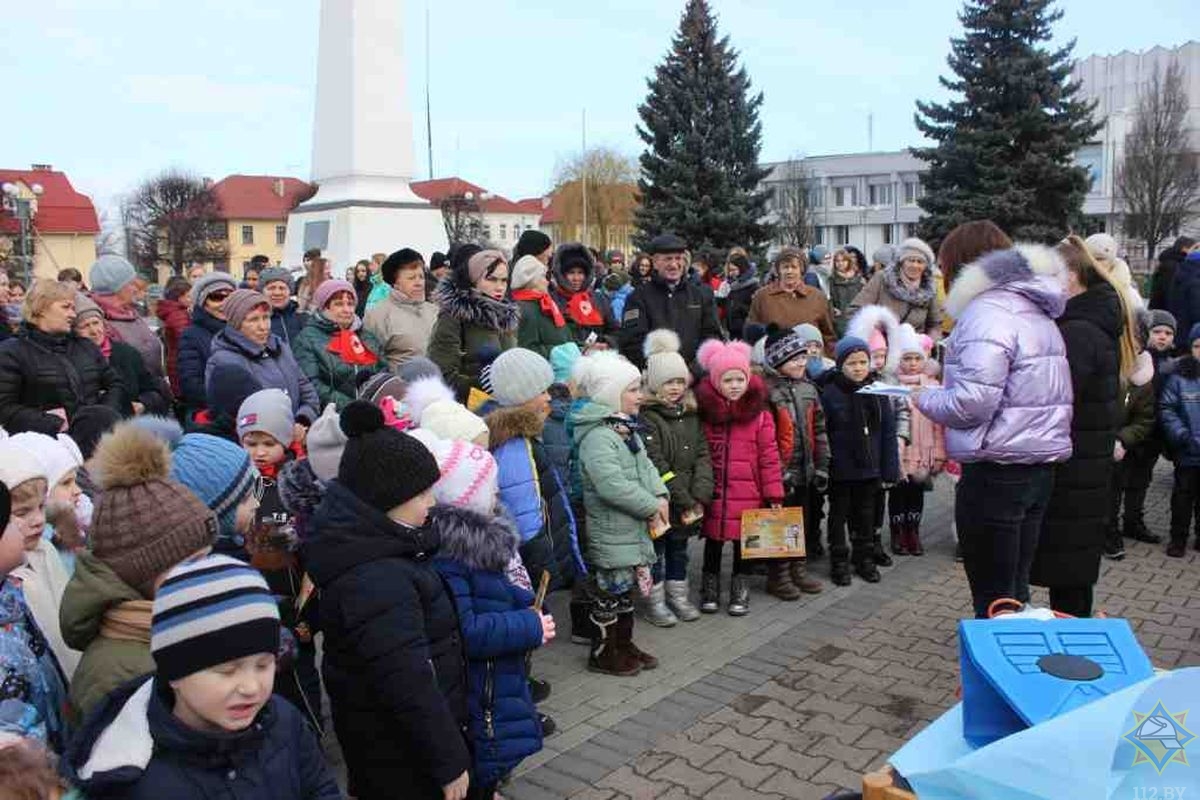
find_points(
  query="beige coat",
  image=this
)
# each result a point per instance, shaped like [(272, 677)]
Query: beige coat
[(402, 326)]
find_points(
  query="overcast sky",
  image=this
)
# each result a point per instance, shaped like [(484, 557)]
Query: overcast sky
[(113, 90)]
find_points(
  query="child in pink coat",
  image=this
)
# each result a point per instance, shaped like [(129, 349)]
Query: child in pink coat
[(923, 457), (745, 462)]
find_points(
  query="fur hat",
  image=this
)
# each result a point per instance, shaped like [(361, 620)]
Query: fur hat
[(382, 466), (914, 247), (470, 477), (209, 611), (267, 411), (325, 292), (1162, 319), (110, 274), (783, 344), (663, 362), (404, 257), (517, 376), (144, 523), (217, 471), (717, 358), (531, 243), (562, 360), (57, 455), (848, 346), (526, 271), (604, 376), (432, 407), (325, 443), (239, 305), (879, 328)]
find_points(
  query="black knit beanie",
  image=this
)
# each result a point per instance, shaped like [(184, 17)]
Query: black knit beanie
[(531, 243), (382, 466)]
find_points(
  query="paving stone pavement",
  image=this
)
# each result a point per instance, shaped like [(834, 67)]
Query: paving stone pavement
[(798, 699)]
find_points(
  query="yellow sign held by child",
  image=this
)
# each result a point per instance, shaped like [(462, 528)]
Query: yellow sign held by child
[(773, 533)]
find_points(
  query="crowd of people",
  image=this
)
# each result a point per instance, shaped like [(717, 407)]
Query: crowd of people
[(399, 464)]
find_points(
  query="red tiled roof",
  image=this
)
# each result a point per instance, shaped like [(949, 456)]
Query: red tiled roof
[(60, 209), (258, 196), (531, 205), (440, 188)]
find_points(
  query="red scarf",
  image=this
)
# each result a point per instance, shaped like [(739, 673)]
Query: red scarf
[(106, 347), (350, 349), (583, 311), (545, 302)]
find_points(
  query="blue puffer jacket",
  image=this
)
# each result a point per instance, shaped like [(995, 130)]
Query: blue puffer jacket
[(195, 344), (534, 495), (555, 438), (498, 628), (862, 431), (156, 756), (1179, 412), (287, 322)]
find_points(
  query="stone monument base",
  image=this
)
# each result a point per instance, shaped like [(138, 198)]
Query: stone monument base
[(349, 230)]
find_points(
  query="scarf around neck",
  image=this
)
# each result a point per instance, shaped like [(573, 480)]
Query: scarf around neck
[(545, 303), (346, 344)]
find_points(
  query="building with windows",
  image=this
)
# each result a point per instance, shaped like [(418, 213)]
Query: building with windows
[(1115, 83), (254, 212), (500, 221), (62, 222), (861, 199)]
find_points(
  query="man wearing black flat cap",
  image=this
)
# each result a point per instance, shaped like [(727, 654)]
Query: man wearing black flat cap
[(668, 300)]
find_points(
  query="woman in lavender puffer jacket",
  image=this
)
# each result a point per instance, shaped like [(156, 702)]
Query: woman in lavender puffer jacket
[(1006, 406)]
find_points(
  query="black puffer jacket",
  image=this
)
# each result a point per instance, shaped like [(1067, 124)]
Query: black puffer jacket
[(1073, 530), (394, 666), (41, 371), (686, 309)]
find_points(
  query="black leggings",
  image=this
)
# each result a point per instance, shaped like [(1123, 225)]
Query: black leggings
[(906, 504), (712, 556)]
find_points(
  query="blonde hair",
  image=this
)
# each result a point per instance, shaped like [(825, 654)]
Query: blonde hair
[(1080, 261), (44, 294)]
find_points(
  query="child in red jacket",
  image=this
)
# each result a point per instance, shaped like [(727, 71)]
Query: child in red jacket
[(745, 462)]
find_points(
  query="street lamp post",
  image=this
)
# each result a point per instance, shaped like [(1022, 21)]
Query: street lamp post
[(22, 208)]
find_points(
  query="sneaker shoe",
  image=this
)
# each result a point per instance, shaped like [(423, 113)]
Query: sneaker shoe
[(1114, 551)]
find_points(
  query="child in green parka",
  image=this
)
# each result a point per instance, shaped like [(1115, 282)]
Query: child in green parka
[(676, 444), (625, 498)]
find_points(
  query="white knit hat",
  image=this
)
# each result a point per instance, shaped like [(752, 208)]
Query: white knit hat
[(517, 376), (663, 362), (57, 455), (469, 475), (450, 420), (526, 271), (604, 376), (18, 463)]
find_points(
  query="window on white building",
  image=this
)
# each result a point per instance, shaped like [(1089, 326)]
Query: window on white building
[(487, 232), (816, 197), (516, 230), (819, 234), (843, 196), (841, 234), (280, 234), (887, 233), (880, 194), (503, 231), (912, 191)]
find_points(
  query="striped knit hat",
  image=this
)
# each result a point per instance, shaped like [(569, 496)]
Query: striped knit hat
[(209, 611), (219, 473)]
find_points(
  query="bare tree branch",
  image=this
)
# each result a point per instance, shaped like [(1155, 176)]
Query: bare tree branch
[(462, 218), (1158, 182), (792, 205), (611, 192), (174, 218)]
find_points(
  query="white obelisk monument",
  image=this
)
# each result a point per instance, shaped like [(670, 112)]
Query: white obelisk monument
[(362, 159)]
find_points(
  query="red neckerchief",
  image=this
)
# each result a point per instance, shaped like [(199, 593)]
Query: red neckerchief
[(583, 311), (545, 302), (350, 349)]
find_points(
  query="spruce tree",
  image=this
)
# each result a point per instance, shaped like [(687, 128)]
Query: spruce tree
[(1005, 145), (700, 172)]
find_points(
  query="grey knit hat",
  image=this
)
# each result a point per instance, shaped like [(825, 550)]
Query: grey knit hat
[(207, 284), (85, 307), (517, 376), (325, 443), (272, 274), (111, 273), (267, 411), (1160, 318), (416, 368), (239, 305)]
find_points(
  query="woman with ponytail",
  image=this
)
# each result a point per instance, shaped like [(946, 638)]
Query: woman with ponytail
[(1098, 334)]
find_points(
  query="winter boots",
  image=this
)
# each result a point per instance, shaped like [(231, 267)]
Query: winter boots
[(653, 608), (899, 547), (867, 568), (878, 555), (710, 593), (779, 581), (625, 637), (677, 601), (839, 571), (739, 597), (583, 629), (610, 653), (801, 579), (910, 538)]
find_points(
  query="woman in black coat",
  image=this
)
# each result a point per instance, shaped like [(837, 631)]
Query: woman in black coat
[(143, 391), (1099, 351), (47, 373)]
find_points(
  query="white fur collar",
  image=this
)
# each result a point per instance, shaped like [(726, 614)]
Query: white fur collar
[(126, 741), (1022, 261)]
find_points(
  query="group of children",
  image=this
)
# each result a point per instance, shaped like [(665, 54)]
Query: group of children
[(413, 534)]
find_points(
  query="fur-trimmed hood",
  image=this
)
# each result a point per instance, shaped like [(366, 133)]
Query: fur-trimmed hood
[(572, 253), (481, 542), (881, 318), (1031, 270), (514, 422), (687, 406), (472, 308), (716, 409), (300, 490)]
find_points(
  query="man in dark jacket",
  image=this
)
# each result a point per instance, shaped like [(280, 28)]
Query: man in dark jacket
[(1184, 300), (1164, 275), (668, 300)]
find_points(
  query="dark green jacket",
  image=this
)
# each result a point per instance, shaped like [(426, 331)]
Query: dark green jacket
[(1137, 415), (677, 446), (471, 330), (537, 331), (336, 381), (842, 292)]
